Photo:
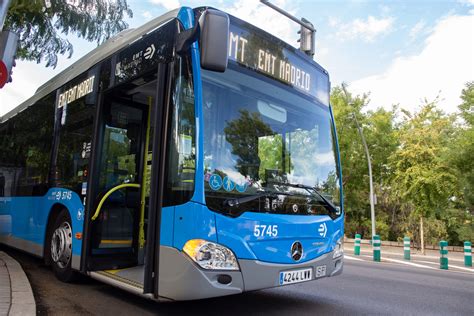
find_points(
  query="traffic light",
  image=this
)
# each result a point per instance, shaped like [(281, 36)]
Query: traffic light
[(8, 46), (307, 40)]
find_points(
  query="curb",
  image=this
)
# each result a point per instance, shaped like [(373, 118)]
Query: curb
[(401, 244), (22, 299)]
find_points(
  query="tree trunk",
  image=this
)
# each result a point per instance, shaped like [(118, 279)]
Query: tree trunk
[(422, 239)]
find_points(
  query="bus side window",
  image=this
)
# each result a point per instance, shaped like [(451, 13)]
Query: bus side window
[(75, 136), (26, 141)]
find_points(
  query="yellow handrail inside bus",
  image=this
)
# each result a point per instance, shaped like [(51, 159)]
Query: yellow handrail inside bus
[(118, 187), (141, 225)]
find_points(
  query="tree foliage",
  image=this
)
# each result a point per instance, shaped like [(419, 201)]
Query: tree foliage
[(463, 147), (423, 177), (379, 129), (354, 165), (461, 152), (422, 167), (43, 31)]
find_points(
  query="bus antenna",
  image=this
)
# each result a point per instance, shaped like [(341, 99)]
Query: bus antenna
[(307, 33)]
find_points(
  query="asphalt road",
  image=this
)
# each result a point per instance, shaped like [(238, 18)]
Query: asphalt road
[(364, 288)]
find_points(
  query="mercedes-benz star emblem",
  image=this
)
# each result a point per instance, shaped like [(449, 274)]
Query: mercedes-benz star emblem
[(296, 251)]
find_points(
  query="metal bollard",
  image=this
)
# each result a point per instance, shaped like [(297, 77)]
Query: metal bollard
[(357, 245), (443, 251), (376, 247), (406, 248), (467, 254)]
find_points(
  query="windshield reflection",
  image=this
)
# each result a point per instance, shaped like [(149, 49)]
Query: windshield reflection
[(263, 139)]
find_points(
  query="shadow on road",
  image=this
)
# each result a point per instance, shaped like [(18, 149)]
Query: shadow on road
[(89, 297), (274, 302)]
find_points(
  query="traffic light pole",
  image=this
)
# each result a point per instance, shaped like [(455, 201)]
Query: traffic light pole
[(307, 33), (8, 46)]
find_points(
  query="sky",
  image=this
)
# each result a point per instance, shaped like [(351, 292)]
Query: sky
[(398, 52)]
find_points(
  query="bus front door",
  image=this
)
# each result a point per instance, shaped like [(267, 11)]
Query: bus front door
[(121, 180)]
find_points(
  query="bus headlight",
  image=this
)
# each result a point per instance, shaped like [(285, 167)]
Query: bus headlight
[(211, 256), (338, 250)]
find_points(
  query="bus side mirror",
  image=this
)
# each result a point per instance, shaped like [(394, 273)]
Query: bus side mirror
[(214, 40)]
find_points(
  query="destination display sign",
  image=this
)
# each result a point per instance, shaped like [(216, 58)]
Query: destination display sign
[(273, 58), (83, 87), (76, 92), (145, 54)]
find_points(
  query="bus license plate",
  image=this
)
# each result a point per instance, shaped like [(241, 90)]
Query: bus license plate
[(296, 276)]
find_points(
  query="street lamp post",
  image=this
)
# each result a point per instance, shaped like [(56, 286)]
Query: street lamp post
[(372, 208), (371, 197)]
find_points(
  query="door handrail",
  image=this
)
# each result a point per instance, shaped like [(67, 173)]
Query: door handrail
[(118, 187)]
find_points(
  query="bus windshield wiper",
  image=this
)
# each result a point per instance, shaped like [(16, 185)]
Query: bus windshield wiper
[(309, 189), (246, 199)]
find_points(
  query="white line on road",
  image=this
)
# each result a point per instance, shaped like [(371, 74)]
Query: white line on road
[(408, 263), (352, 258), (462, 268), (449, 265), (427, 262), (395, 261)]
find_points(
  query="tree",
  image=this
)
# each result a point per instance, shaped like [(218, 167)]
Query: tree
[(467, 106), (423, 178), (463, 148), (40, 28), (381, 135), (422, 167), (382, 139), (460, 215), (353, 160)]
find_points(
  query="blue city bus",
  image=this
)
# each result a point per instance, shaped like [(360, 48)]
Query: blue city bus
[(195, 156)]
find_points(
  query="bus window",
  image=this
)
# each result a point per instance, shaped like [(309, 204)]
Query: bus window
[(25, 155), (121, 146), (182, 139), (72, 161)]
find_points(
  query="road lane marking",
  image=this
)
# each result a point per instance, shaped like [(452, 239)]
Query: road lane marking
[(408, 263), (462, 268), (427, 262), (395, 262), (404, 261), (352, 258), (449, 265)]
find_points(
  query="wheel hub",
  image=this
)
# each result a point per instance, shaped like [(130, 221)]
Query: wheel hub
[(61, 245)]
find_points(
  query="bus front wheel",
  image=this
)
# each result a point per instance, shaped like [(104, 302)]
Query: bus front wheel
[(61, 247)]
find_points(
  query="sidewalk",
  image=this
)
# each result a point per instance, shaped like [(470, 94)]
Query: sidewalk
[(16, 296)]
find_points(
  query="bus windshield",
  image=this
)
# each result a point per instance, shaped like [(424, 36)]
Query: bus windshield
[(267, 147)]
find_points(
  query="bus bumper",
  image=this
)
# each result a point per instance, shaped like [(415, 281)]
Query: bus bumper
[(259, 275), (182, 279)]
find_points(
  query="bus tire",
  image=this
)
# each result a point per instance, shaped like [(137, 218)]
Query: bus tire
[(60, 247)]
